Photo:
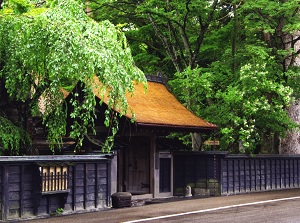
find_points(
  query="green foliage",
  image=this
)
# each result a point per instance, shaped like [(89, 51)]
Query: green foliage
[(46, 47), (235, 60), (19, 6), (13, 140), (145, 46), (165, 37), (59, 211), (245, 105)]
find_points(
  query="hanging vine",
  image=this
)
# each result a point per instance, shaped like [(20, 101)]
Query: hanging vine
[(55, 44)]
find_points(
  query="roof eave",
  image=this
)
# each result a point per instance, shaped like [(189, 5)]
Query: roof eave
[(175, 128)]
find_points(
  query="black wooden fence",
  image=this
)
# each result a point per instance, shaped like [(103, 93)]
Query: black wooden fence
[(39, 186), (197, 170), (225, 174), (259, 173)]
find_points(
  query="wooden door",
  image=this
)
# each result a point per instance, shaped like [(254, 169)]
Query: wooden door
[(138, 166)]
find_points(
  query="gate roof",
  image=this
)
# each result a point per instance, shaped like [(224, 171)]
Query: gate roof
[(156, 106)]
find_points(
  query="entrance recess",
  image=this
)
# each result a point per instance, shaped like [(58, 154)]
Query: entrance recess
[(165, 174), (138, 171)]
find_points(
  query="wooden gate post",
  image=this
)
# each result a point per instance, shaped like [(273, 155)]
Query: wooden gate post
[(4, 195)]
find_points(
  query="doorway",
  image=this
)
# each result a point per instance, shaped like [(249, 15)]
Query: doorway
[(138, 166), (165, 174)]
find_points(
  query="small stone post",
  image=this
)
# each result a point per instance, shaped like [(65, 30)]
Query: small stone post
[(188, 191)]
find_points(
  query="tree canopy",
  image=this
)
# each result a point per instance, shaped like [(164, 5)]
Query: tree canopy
[(234, 63), (49, 46), (231, 62)]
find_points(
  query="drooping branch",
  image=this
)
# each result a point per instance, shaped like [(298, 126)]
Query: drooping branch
[(58, 47)]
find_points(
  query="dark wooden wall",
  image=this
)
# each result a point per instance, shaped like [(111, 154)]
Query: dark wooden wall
[(197, 170), (22, 198), (260, 173), (226, 174)]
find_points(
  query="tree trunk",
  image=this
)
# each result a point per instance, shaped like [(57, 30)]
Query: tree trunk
[(196, 141), (291, 143)]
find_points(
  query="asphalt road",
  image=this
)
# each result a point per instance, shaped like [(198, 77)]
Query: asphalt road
[(279, 212), (276, 206)]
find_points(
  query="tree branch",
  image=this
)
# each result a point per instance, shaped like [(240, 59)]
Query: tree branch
[(202, 32), (165, 42)]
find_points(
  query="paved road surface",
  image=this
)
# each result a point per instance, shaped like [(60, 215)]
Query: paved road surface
[(286, 210), (276, 206)]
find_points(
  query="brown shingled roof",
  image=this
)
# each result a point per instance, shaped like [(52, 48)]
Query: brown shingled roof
[(158, 107)]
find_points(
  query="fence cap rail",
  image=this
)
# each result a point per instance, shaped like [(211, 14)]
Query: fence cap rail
[(227, 155), (263, 156), (54, 158), (204, 153)]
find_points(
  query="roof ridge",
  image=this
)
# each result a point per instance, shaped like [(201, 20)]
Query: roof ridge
[(158, 78)]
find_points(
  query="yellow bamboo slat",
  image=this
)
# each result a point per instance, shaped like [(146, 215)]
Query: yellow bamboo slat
[(54, 178)]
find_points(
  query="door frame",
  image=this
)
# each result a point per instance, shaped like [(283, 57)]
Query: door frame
[(168, 155)]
